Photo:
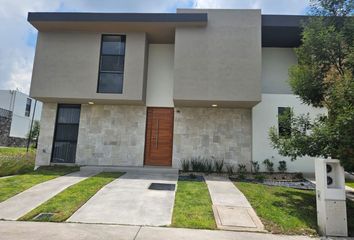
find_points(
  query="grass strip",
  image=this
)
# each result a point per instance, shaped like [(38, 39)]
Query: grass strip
[(64, 204), (11, 186), (193, 206), (286, 210)]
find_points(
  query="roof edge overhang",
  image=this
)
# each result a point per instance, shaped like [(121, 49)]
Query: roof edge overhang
[(277, 30), (282, 31), (159, 27), (117, 17)]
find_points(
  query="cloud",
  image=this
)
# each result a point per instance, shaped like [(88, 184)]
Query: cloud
[(18, 36), (267, 6)]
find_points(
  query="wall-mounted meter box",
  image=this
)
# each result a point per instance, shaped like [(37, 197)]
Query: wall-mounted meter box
[(330, 198)]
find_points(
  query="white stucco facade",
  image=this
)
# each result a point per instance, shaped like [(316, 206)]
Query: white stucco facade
[(159, 90), (265, 116)]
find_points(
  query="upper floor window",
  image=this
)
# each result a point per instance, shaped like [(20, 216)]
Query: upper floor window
[(284, 121), (110, 79), (28, 107)]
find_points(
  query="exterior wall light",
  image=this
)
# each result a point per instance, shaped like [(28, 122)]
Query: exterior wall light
[(91, 103), (214, 105)]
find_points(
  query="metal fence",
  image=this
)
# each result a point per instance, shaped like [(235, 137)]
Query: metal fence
[(5, 113)]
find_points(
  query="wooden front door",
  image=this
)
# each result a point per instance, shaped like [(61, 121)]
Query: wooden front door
[(159, 137)]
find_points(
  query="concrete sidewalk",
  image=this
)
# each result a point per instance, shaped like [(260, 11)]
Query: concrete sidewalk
[(20, 204), (232, 211), (128, 200), (11, 230)]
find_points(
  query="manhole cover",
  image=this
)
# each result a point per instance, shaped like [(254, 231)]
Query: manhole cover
[(162, 186), (43, 216)]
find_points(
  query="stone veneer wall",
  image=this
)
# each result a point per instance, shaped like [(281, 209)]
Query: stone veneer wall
[(220, 132), (45, 140), (111, 135), (5, 128)]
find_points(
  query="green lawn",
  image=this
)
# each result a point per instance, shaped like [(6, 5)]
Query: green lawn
[(16, 160), (193, 206), (64, 204), (286, 210), (13, 185)]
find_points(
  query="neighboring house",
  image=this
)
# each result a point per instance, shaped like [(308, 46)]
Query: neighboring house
[(16, 112), (136, 89)]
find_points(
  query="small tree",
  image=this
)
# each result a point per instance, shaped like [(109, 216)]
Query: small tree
[(324, 77), (33, 135)]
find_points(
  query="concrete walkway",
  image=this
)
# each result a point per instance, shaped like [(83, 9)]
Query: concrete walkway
[(10, 230), (128, 200), (231, 208), (20, 204)]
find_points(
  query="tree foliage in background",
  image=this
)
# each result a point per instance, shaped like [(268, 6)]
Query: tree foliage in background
[(33, 135), (323, 77)]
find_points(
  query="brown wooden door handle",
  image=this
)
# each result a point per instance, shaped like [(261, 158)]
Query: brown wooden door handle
[(157, 134)]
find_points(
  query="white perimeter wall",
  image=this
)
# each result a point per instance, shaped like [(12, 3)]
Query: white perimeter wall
[(159, 92), (264, 116)]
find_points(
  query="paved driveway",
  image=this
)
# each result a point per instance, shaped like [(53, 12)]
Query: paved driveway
[(128, 200)]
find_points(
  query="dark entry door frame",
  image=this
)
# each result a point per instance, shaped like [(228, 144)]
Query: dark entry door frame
[(66, 133), (159, 136)]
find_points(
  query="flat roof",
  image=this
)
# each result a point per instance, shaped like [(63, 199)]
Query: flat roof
[(277, 30)]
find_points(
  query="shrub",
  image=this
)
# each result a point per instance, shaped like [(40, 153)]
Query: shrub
[(255, 167), (185, 165), (282, 166), (209, 168), (230, 169), (259, 177), (299, 175), (219, 165), (241, 171), (198, 164), (195, 164), (269, 165)]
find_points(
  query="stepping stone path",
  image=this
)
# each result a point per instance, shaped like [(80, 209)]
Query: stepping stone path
[(232, 211)]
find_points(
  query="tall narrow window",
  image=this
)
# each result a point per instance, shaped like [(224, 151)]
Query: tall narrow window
[(28, 107), (284, 121), (66, 131), (110, 79)]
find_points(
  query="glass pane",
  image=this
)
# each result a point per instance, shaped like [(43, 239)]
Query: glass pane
[(68, 115), (115, 48), (110, 83), (64, 152), (112, 63), (66, 132)]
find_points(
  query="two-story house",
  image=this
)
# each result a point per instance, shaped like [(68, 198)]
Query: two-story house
[(145, 89)]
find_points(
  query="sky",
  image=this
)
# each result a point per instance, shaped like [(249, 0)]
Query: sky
[(18, 37)]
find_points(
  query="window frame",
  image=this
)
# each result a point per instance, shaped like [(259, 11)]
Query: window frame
[(123, 36), (28, 111)]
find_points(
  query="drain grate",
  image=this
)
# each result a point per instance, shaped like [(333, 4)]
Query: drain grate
[(43, 216), (162, 186)]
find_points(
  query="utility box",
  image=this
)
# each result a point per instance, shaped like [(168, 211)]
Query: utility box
[(330, 198)]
